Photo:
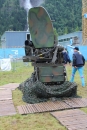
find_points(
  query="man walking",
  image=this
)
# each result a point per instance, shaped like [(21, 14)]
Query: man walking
[(78, 62)]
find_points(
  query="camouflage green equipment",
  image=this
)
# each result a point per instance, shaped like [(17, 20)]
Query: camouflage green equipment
[(40, 27), (49, 76)]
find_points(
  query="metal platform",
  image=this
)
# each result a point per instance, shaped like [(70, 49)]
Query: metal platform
[(6, 104), (11, 86), (68, 103), (7, 108), (72, 119), (6, 91), (5, 94)]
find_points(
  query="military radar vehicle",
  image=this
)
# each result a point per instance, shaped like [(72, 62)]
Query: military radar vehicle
[(43, 51)]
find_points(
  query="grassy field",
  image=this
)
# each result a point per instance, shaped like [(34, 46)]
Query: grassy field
[(41, 121)]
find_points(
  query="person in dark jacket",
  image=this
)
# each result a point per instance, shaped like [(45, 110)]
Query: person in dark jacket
[(78, 61), (66, 58)]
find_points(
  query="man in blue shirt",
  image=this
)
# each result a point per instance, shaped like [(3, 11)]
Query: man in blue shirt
[(78, 62), (66, 58)]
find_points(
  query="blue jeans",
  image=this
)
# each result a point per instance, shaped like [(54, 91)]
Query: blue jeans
[(80, 70)]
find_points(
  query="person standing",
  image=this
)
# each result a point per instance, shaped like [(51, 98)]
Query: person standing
[(66, 58), (78, 62), (71, 41)]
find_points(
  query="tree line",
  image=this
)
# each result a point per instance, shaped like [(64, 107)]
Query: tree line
[(66, 14)]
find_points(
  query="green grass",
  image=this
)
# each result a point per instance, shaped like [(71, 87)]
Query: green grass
[(39, 121), (18, 74)]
